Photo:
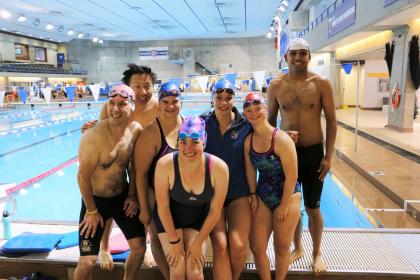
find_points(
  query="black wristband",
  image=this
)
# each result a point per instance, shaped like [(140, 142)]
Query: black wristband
[(175, 242), (252, 193)]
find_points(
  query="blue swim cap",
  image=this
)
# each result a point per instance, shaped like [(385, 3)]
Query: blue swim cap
[(169, 89), (223, 84)]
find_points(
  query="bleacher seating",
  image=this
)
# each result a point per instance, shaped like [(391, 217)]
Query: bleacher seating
[(37, 68)]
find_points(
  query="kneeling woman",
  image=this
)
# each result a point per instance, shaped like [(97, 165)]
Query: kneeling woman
[(275, 199), (190, 189)]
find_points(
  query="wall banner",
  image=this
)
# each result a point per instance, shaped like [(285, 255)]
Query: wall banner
[(342, 17), (154, 53)]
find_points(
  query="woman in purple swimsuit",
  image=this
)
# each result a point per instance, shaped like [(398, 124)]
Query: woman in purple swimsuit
[(275, 199)]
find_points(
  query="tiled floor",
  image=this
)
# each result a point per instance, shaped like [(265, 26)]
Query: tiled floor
[(374, 122), (396, 185)]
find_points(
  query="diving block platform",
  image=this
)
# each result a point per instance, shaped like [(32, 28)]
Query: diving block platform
[(348, 253)]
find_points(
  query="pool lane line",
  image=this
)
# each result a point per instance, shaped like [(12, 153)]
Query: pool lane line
[(33, 180), (39, 142)]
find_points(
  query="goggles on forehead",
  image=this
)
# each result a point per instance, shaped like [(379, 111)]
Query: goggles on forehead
[(194, 135), (252, 99), (228, 90), (169, 89), (121, 92)]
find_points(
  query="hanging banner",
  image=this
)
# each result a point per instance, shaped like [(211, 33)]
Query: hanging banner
[(347, 67), (2, 92), (71, 90), (22, 94), (342, 17), (231, 77), (95, 91), (259, 78), (47, 94), (154, 53), (202, 82)]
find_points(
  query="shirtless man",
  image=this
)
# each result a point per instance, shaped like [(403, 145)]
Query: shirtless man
[(104, 156), (141, 79), (300, 96)]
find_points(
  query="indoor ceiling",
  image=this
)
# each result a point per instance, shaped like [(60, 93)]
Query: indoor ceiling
[(130, 20)]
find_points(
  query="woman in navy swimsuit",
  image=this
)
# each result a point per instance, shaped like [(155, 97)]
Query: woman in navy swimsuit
[(158, 139), (275, 199)]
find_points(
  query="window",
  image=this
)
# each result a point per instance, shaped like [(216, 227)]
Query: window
[(40, 54), (21, 51)]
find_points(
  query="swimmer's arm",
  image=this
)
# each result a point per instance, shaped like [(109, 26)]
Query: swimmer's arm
[(284, 147), (220, 179), (88, 160), (144, 151), (273, 105), (104, 112), (163, 167), (251, 174), (329, 111)]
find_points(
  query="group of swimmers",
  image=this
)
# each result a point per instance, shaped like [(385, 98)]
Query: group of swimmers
[(194, 177)]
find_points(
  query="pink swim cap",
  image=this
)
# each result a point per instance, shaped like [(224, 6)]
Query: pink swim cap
[(122, 90)]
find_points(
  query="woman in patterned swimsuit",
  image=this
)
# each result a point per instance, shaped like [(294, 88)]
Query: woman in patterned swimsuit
[(275, 199)]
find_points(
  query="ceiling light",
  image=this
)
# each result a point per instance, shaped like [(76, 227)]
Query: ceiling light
[(70, 32), (21, 18), (269, 35), (95, 40), (4, 14), (60, 29), (36, 22), (49, 26), (285, 3), (29, 34), (80, 35), (101, 41), (41, 37)]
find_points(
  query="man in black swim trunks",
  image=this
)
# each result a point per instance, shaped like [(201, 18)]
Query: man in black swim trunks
[(104, 156), (301, 96)]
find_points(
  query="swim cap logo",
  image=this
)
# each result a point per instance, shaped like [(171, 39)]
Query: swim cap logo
[(234, 135)]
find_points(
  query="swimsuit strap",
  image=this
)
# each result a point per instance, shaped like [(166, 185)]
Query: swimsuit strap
[(273, 137)]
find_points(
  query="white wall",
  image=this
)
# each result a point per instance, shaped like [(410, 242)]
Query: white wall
[(375, 71), (7, 49), (348, 86), (106, 62)]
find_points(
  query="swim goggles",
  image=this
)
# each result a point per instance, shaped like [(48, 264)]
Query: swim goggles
[(253, 99), (169, 89), (228, 90), (121, 92), (194, 135)]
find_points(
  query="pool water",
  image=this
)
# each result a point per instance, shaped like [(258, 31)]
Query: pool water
[(53, 139)]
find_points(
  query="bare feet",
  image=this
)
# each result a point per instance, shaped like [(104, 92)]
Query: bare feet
[(296, 254), (319, 265), (105, 260), (149, 261)]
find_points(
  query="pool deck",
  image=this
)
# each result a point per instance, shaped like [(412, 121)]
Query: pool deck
[(349, 254), (392, 174)]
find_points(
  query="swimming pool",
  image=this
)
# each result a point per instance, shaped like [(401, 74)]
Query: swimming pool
[(39, 151)]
